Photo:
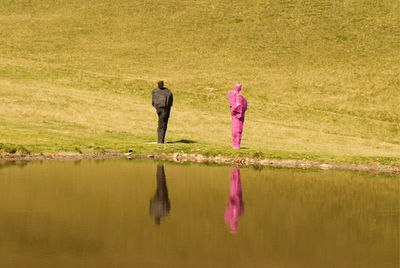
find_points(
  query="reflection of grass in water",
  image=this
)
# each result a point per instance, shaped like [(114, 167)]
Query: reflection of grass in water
[(21, 164), (320, 77)]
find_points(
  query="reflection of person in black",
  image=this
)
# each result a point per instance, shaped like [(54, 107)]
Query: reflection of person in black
[(162, 100), (235, 206), (159, 204)]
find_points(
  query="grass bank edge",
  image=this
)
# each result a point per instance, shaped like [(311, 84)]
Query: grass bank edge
[(206, 151)]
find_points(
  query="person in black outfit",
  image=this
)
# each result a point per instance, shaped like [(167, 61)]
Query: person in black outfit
[(159, 204), (162, 100)]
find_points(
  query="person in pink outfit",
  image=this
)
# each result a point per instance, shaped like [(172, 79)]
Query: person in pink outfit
[(235, 207), (238, 105)]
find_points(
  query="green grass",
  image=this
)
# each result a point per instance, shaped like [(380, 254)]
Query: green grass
[(321, 77)]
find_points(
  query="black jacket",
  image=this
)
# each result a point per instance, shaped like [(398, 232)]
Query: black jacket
[(162, 97)]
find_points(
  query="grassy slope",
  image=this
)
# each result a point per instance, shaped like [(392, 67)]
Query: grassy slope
[(321, 77)]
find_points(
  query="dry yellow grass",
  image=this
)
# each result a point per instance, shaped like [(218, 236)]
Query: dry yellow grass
[(321, 77)]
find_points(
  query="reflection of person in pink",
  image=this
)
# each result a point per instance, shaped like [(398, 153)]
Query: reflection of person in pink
[(235, 207), (238, 106)]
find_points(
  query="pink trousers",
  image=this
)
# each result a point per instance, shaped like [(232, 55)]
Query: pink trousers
[(237, 129)]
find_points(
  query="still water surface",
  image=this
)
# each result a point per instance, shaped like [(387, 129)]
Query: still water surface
[(121, 213)]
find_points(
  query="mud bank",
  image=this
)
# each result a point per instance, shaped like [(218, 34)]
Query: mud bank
[(272, 162), (198, 158), (59, 156)]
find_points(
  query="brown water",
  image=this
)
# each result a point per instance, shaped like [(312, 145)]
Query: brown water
[(119, 213)]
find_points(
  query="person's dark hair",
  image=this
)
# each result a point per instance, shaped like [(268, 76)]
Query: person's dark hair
[(161, 84)]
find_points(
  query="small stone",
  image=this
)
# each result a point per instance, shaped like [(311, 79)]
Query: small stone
[(325, 166)]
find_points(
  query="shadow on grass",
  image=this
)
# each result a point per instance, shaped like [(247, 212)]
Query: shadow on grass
[(183, 141)]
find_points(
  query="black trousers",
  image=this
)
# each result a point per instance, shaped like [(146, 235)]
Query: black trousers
[(163, 116)]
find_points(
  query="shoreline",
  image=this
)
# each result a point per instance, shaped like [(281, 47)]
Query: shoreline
[(199, 158)]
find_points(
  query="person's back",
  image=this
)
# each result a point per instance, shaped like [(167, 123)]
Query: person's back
[(162, 97), (162, 100)]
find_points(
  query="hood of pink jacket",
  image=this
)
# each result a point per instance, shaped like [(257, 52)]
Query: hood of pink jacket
[(237, 87)]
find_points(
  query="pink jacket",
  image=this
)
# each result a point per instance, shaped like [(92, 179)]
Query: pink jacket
[(237, 102)]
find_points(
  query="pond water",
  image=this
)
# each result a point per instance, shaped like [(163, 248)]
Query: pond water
[(140, 213)]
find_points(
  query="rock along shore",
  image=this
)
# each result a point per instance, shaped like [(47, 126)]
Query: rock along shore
[(199, 158)]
